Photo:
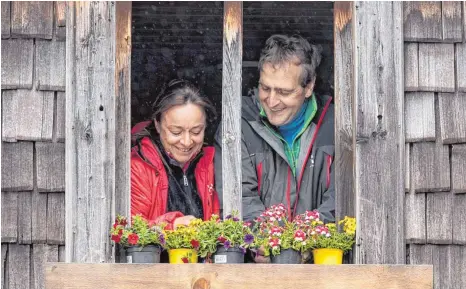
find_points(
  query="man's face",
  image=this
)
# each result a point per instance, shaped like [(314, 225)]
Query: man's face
[(280, 92)]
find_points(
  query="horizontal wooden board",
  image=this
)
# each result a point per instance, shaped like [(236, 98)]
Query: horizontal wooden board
[(50, 65), (458, 168), (19, 266), (439, 217), (41, 254), (452, 21), (24, 217), (59, 132), (9, 217), (50, 167), (411, 66), (460, 67), (17, 63), (419, 116), (459, 217), (422, 21), (431, 167), (452, 115), (121, 276), (436, 67), (415, 218), (32, 19), (17, 166), (6, 5), (39, 217), (56, 218)]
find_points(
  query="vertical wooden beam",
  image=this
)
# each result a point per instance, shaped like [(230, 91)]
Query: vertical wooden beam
[(231, 105), (379, 126), (90, 130)]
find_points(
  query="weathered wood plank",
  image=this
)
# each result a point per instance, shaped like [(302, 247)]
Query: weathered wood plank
[(6, 5), (61, 253), (452, 111), (56, 218), (19, 266), (50, 167), (431, 167), (439, 218), (436, 67), (4, 265), (420, 116), (17, 166), (9, 119), (452, 21), (60, 20), (17, 63), (24, 217), (39, 217), (422, 21), (411, 66), (415, 218), (231, 106), (9, 216), (40, 255), (459, 215), (50, 65), (122, 276), (421, 254), (344, 95), (35, 115), (458, 267), (379, 125), (458, 168), (407, 167), (123, 109), (32, 19), (441, 257), (90, 130), (460, 67), (60, 120)]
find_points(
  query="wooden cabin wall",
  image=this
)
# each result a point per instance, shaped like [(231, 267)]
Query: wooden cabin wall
[(33, 135), (435, 123)]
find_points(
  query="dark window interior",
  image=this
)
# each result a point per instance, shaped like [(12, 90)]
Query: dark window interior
[(184, 40)]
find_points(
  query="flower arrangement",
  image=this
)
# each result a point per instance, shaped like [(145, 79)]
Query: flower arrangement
[(333, 236), (140, 233), (183, 237)]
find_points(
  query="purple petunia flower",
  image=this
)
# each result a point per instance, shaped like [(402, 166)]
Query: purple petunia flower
[(235, 219), (248, 239), (243, 250), (228, 217), (162, 239), (227, 244)]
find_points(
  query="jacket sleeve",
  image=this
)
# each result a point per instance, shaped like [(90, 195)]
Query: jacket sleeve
[(327, 208)]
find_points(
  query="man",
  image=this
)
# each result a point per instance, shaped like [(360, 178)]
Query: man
[(287, 135)]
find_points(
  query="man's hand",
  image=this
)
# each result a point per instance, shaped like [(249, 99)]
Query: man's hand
[(260, 258), (185, 220)]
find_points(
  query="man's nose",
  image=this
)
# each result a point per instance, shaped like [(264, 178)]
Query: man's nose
[(273, 100)]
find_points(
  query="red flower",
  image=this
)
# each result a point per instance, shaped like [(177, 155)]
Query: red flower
[(123, 222), (133, 239), (120, 232), (195, 244), (276, 231), (115, 225), (274, 242), (299, 235), (185, 260), (221, 239), (116, 238)]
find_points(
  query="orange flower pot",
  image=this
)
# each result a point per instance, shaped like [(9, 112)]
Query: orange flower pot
[(328, 256), (182, 256)]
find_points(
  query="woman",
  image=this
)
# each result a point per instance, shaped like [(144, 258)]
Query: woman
[(172, 174)]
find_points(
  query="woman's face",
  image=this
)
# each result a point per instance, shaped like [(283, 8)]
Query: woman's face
[(181, 130)]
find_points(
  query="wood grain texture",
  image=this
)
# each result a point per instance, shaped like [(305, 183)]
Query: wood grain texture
[(408, 166), (431, 167), (17, 166), (452, 21), (17, 63), (61, 253), (6, 9), (4, 265), (9, 217), (90, 130), (231, 106), (460, 67), (60, 120), (458, 168), (459, 215), (458, 266), (50, 167), (439, 218), (9, 115), (56, 218), (24, 218), (379, 125), (50, 65), (60, 20), (411, 54), (452, 112), (39, 217), (420, 116), (32, 19), (19, 266), (436, 67), (122, 276), (415, 218), (422, 21), (41, 254), (344, 99)]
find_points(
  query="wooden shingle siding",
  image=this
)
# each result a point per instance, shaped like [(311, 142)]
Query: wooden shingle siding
[(61, 253), (56, 218), (32, 19), (6, 5), (9, 116), (17, 63), (422, 21), (459, 217), (458, 168), (50, 160), (9, 216), (39, 217), (408, 165), (436, 67), (419, 116), (452, 110), (415, 218), (41, 254), (50, 65), (60, 119), (451, 20), (439, 218), (431, 167), (17, 166), (411, 66), (19, 266), (461, 66), (24, 218), (60, 20), (4, 263)]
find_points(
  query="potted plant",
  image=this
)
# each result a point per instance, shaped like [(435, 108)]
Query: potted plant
[(140, 241), (183, 243)]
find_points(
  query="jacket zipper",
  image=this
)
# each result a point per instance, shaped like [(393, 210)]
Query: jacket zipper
[(185, 180)]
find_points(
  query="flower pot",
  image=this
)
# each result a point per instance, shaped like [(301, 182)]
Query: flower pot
[(146, 254), (328, 256), (232, 255), (181, 256), (287, 256)]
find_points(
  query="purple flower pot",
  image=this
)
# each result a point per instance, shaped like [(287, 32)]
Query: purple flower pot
[(228, 256), (147, 254), (287, 256)]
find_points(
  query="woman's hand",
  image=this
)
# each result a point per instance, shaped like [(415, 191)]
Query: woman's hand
[(185, 220), (260, 258)]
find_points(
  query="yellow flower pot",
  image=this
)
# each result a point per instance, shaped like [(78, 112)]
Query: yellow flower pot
[(328, 256), (181, 256)]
